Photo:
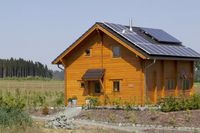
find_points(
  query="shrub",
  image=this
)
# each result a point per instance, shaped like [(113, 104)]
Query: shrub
[(194, 102), (127, 105), (59, 100), (106, 100), (12, 112), (94, 101), (116, 102), (181, 103), (170, 104)]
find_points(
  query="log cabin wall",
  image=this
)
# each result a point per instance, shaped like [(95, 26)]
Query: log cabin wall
[(127, 69), (169, 76), (165, 71)]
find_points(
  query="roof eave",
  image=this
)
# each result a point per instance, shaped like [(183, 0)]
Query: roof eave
[(158, 57)]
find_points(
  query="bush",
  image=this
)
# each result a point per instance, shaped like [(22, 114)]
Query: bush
[(180, 103), (12, 112), (116, 102), (94, 101), (128, 105)]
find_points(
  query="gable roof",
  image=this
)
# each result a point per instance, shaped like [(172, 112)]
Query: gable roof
[(147, 43)]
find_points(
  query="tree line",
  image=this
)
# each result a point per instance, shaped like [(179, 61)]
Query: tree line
[(22, 68)]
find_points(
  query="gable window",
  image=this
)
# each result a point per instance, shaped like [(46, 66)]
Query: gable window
[(170, 84), (87, 52), (185, 84), (115, 52), (116, 86)]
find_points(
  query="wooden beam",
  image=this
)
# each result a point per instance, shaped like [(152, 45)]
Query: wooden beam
[(101, 84), (176, 79), (192, 79), (163, 80)]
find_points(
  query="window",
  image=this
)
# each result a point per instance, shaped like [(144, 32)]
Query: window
[(116, 52), (87, 52), (82, 85), (185, 84), (97, 88), (170, 84), (116, 86)]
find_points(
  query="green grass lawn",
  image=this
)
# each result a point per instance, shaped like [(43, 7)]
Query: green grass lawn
[(31, 85)]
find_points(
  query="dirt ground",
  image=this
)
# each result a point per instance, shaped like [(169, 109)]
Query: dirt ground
[(176, 119), (44, 111)]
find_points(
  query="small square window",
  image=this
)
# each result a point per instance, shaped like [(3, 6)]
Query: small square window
[(82, 85), (116, 86), (116, 52), (87, 52)]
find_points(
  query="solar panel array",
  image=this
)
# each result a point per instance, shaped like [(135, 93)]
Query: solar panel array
[(169, 50), (160, 35), (150, 48)]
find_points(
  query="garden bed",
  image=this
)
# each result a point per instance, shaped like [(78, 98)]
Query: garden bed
[(151, 117)]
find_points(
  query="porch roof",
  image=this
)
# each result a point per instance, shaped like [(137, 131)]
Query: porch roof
[(93, 74)]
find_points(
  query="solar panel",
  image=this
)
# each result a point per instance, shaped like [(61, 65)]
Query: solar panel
[(125, 32), (150, 48), (160, 35), (169, 50)]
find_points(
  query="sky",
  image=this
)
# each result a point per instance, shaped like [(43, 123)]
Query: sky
[(40, 30)]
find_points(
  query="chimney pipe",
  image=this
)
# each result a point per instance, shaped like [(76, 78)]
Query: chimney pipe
[(130, 25)]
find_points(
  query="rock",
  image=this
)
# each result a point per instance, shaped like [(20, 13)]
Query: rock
[(120, 124), (60, 122)]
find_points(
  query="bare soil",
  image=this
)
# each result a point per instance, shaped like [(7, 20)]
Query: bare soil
[(176, 119), (44, 112)]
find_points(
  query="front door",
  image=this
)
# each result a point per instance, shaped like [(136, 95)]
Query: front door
[(97, 87), (94, 88)]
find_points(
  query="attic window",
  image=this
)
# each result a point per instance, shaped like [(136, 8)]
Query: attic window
[(87, 52)]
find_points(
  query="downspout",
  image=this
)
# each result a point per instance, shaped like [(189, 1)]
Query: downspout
[(58, 65), (145, 79)]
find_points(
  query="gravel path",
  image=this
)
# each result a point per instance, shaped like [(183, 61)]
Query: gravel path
[(69, 113), (136, 128)]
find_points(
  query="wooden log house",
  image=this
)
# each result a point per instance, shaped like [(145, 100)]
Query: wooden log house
[(126, 62)]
